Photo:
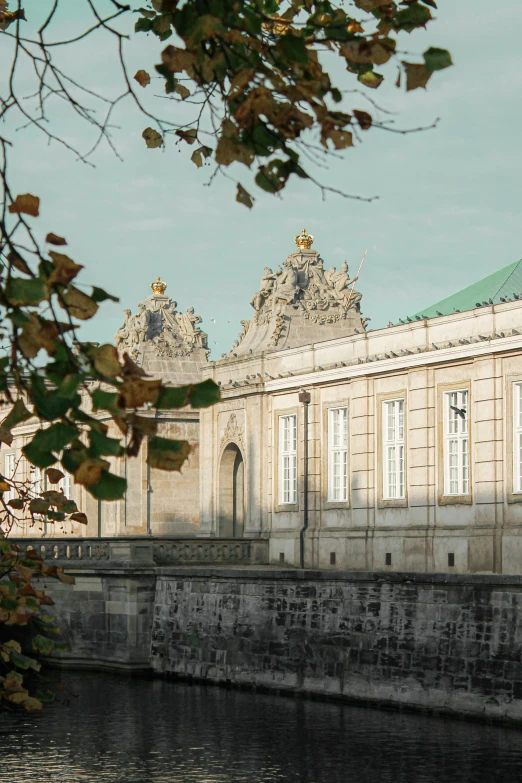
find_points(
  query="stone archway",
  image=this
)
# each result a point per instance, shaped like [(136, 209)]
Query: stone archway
[(231, 510)]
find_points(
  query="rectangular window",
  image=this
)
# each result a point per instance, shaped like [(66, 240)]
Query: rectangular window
[(65, 485), (337, 455), (9, 469), (288, 459), (517, 437), (393, 444), (37, 480), (456, 443)]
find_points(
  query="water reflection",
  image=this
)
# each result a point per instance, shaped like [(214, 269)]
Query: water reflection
[(122, 730)]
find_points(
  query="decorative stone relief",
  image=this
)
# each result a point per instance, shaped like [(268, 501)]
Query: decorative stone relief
[(233, 432), (160, 326), (299, 303)]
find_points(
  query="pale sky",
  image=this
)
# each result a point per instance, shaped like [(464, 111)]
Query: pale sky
[(449, 198)]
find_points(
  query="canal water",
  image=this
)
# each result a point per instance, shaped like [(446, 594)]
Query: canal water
[(121, 730)]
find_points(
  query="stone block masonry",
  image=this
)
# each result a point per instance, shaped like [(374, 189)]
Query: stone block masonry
[(448, 643)]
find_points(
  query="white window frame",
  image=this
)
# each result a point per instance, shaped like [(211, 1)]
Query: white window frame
[(65, 485), (393, 449), (517, 436), (456, 444), (288, 459), (9, 471), (337, 455)]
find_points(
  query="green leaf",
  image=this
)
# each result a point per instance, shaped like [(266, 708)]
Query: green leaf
[(8, 603), (293, 49), (204, 394), (107, 401), (17, 414), (26, 292), (169, 397), (437, 59), (166, 454), (55, 437), (143, 25), (42, 459), (102, 445), (170, 80), (99, 295), (42, 644), (48, 403), (23, 661), (109, 487), (413, 16)]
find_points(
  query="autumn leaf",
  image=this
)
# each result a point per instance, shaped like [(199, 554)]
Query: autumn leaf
[(90, 470), (54, 239), (8, 17), (106, 361), (26, 203), (189, 135), (176, 60), (354, 27), (244, 197), (135, 392), (152, 138), (4, 486), (416, 76), (142, 77), (54, 475), (182, 91), (363, 118), (370, 79), (39, 506), (65, 269), (79, 517), (78, 304)]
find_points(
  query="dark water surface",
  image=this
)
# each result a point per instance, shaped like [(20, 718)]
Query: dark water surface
[(127, 730)]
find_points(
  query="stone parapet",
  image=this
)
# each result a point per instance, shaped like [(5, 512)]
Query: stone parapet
[(106, 553)]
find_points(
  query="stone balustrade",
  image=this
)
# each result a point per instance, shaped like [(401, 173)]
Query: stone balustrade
[(147, 551)]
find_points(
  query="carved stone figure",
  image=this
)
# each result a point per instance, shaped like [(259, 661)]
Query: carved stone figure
[(157, 324), (266, 288), (287, 286)]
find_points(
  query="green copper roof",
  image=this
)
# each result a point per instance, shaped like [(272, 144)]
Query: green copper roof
[(506, 282)]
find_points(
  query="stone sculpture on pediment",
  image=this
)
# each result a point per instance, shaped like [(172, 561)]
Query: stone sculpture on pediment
[(301, 303), (159, 330)]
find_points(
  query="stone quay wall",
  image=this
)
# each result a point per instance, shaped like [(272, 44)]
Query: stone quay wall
[(447, 643)]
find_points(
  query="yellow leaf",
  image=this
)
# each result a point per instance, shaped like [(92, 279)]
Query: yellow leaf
[(37, 333), (54, 475), (25, 573), (8, 17), (25, 203), (31, 704), (89, 471), (142, 77), (106, 361), (354, 27), (152, 138), (19, 697), (78, 304), (4, 486)]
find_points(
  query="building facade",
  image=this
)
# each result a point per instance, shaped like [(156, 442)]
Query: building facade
[(350, 448)]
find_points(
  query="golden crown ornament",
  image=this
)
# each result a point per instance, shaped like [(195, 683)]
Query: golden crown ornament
[(304, 241), (158, 287)]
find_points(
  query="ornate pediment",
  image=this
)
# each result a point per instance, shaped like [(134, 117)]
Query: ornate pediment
[(159, 327), (301, 303), (233, 433)]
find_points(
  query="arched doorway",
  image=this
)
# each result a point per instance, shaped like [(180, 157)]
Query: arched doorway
[(231, 512)]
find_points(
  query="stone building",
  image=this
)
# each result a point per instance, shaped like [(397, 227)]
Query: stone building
[(350, 448)]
